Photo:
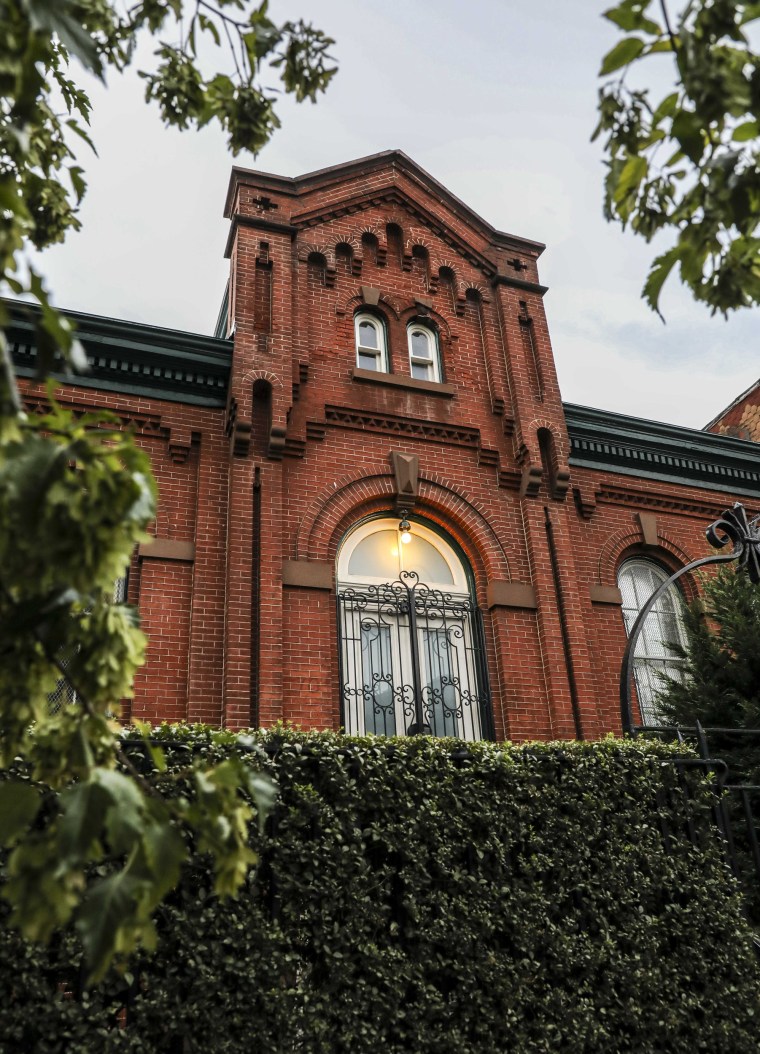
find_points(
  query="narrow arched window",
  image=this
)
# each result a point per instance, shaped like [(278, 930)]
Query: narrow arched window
[(412, 653), (424, 355), (371, 345), (654, 659)]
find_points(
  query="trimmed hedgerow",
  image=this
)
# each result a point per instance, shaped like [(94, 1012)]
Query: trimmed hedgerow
[(422, 895)]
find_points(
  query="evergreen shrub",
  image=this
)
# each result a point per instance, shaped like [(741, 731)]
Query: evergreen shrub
[(429, 896)]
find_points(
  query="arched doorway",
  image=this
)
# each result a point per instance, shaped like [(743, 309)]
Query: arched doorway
[(412, 657)]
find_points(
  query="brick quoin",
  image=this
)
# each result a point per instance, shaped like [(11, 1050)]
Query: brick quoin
[(539, 496)]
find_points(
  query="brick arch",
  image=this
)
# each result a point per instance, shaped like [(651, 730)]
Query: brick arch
[(416, 240), (412, 311), (611, 553), (371, 489), (356, 303), (279, 409), (243, 392), (401, 220), (328, 251), (479, 288), (352, 243), (254, 375), (551, 426), (449, 264)]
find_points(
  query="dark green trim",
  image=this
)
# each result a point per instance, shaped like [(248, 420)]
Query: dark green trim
[(133, 358), (220, 329), (653, 450)]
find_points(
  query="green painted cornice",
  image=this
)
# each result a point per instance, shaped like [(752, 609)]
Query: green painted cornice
[(653, 450), (132, 357)]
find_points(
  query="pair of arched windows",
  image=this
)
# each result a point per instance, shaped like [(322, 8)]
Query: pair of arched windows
[(372, 347)]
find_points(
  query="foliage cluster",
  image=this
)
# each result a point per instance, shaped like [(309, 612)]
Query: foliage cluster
[(721, 687), (76, 494), (688, 164), (425, 895)]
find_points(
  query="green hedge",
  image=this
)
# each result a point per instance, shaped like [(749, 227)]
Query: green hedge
[(422, 896)]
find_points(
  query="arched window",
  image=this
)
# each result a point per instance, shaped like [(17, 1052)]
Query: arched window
[(412, 656), (424, 354), (653, 660), (371, 345)]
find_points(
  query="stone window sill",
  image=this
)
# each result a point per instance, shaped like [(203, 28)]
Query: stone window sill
[(395, 380)]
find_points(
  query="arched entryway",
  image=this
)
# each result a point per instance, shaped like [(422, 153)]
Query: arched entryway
[(410, 635)]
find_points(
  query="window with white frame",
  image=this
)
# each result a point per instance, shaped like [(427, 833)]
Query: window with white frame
[(411, 640), (654, 659), (424, 354), (371, 345)]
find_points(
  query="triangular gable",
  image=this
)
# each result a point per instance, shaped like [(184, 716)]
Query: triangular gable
[(392, 163)]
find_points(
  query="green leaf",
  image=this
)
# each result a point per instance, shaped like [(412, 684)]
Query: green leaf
[(164, 852), (58, 18), (19, 804), (106, 920), (634, 170), (624, 52), (661, 268), (746, 131), (125, 817), (629, 17), (687, 129), (83, 811), (666, 108)]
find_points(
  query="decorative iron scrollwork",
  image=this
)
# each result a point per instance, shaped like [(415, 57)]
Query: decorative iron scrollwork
[(412, 661), (734, 527)]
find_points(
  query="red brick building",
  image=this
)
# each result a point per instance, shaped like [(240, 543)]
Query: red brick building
[(382, 356)]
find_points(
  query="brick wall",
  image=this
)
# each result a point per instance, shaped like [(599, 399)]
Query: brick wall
[(304, 451)]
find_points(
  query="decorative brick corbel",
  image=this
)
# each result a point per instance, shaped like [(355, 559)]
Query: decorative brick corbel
[(240, 437), (406, 472), (531, 473), (237, 429), (277, 439), (179, 445), (560, 482), (530, 480), (585, 494)]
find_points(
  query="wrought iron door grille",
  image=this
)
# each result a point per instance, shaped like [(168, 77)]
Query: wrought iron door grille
[(412, 660)]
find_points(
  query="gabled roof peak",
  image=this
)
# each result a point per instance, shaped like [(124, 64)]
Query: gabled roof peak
[(390, 160)]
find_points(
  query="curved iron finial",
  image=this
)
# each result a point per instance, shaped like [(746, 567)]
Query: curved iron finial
[(732, 527)]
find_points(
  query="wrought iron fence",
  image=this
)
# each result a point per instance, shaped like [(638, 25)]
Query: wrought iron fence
[(412, 660), (730, 757)]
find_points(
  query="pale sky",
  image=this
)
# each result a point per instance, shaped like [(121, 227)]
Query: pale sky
[(496, 99)]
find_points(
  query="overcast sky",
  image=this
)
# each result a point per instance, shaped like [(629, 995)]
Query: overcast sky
[(496, 99)]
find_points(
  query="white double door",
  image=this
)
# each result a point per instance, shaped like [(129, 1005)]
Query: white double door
[(394, 674)]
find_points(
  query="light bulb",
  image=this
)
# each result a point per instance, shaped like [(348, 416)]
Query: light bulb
[(406, 537)]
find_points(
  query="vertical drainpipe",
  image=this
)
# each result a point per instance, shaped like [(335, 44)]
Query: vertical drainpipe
[(256, 599), (563, 625)]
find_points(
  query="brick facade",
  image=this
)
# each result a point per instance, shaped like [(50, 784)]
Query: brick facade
[(544, 500)]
